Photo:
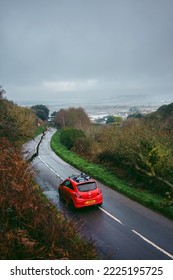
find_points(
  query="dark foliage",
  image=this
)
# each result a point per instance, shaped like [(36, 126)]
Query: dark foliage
[(69, 135), (41, 112)]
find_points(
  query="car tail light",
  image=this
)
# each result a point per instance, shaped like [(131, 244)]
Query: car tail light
[(99, 192), (77, 195)]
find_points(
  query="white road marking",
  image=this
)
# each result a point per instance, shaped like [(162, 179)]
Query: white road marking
[(107, 213), (50, 168), (153, 244), (114, 218)]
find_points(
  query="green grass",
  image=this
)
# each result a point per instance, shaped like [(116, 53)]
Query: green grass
[(103, 175)]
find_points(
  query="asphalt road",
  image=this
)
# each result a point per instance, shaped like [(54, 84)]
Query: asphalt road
[(121, 229)]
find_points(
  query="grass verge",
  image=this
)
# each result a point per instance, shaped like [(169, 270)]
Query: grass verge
[(103, 175)]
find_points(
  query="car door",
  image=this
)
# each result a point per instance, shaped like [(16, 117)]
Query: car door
[(68, 190)]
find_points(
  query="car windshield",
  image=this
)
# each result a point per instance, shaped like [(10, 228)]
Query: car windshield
[(87, 187)]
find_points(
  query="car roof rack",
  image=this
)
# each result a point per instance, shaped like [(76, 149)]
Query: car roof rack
[(80, 178)]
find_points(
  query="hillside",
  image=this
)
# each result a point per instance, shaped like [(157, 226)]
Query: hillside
[(163, 115)]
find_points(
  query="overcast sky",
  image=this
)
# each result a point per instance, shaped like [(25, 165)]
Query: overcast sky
[(84, 49)]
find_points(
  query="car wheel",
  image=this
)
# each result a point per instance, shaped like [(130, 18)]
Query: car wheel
[(71, 204)]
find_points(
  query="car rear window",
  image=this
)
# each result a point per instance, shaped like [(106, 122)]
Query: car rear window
[(87, 187)]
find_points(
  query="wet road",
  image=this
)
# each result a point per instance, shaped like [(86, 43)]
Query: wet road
[(121, 229)]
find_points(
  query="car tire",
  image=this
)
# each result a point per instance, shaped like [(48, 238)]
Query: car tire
[(99, 205), (71, 204), (60, 194)]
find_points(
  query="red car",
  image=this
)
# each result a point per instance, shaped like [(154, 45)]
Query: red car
[(80, 191)]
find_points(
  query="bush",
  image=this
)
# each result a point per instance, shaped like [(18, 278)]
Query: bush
[(86, 148), (69, 135)]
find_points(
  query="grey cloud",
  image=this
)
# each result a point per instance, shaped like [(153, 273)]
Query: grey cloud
[(126, 45)]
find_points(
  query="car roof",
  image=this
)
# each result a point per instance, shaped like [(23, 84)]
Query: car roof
[(81, 178)]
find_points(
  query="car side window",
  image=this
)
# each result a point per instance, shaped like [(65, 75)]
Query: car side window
[(68, 185)]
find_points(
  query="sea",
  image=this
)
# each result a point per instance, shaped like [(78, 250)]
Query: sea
[(100, 108)]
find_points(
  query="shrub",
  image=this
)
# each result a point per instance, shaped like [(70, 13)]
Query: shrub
[(69, 135), (86, 148)]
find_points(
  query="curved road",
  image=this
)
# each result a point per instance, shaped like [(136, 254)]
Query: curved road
[(121, 229)]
